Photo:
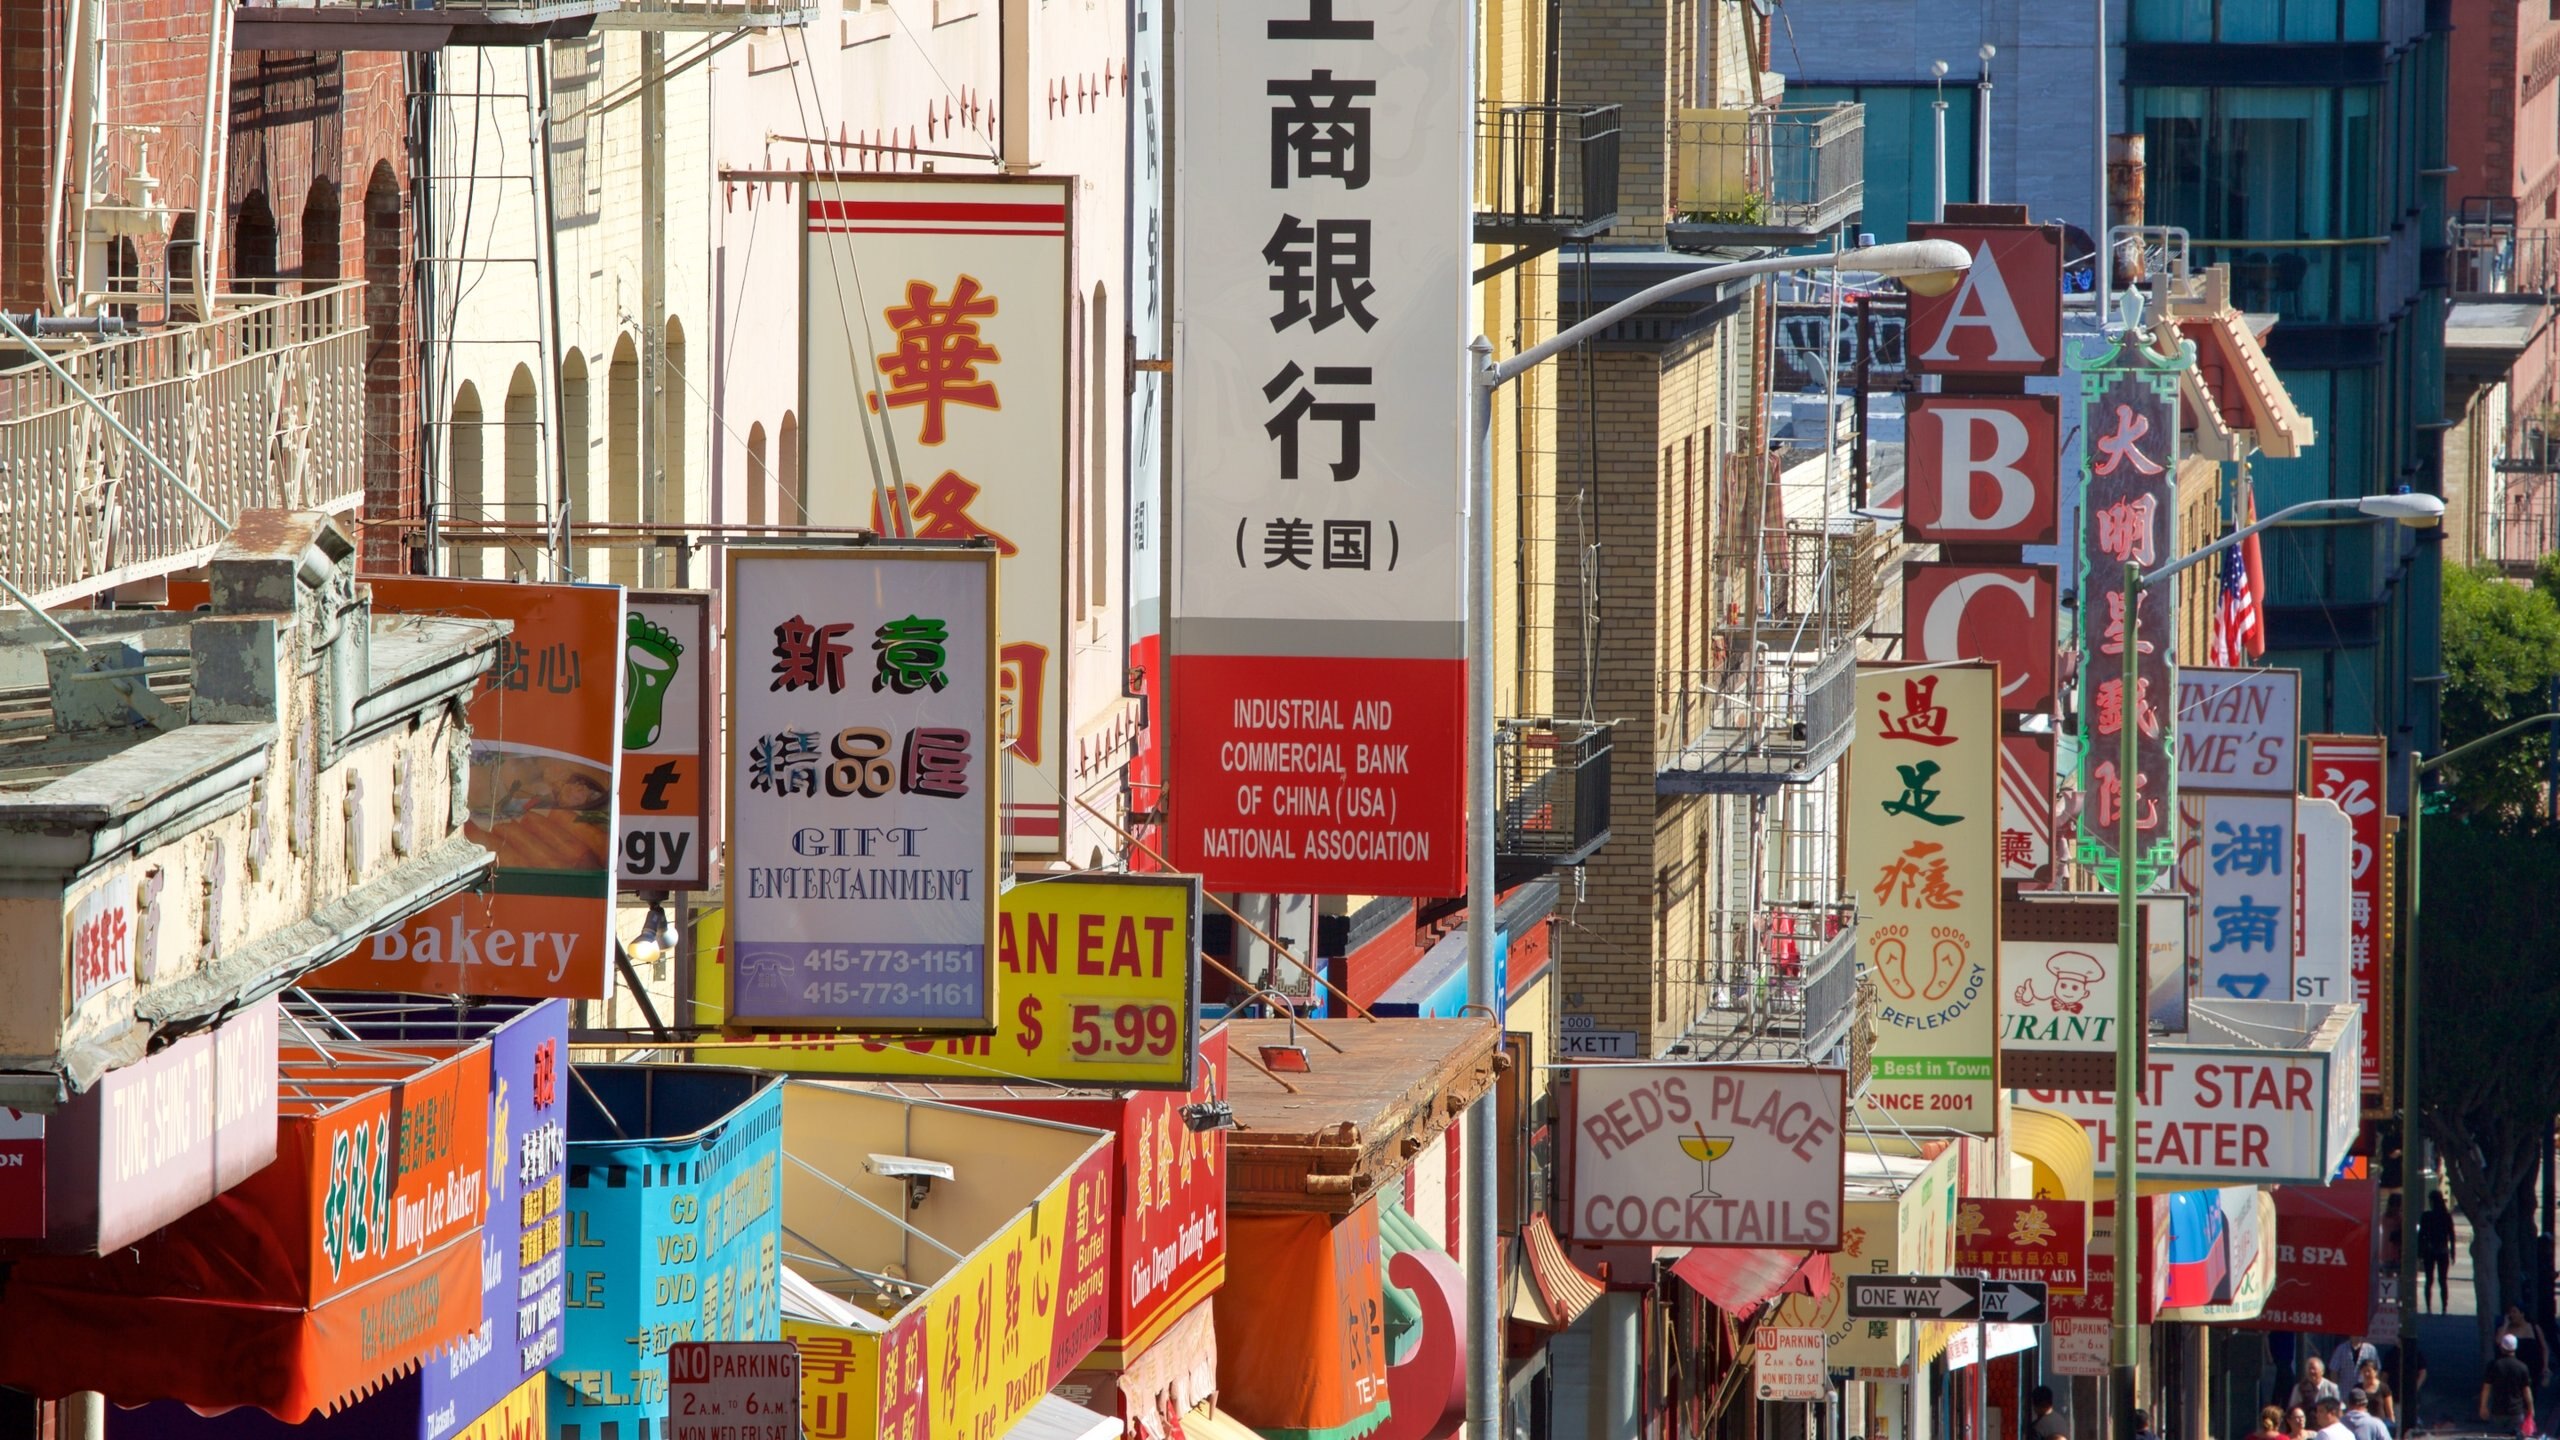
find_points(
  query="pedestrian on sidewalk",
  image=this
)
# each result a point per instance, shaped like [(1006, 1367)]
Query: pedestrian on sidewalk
[(2297, 1423), (2352, 1355), (2359, 1420), (2378, 1397), (2506, 1392), (2325, 1414), (2047, 1425), (2314, 1387), (2435, 1252), (2142, 1426), (2270, 1424)]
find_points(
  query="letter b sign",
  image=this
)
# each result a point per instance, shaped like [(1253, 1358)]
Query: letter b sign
[(1984, 470)]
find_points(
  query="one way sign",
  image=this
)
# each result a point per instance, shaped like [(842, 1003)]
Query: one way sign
[(1946, 1297), (1914, 1297)]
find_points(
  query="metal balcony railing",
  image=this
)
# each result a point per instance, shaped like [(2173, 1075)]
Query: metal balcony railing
[(262, 406), (2485, 260), (1785, 988), (1775, 174), (1554, 778), (1776, 719), (1545, 172)]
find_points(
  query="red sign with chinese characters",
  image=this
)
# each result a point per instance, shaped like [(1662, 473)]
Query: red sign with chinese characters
[(2045, 1240), (2348, 771), (1319, 775), (2004, 317), (2000, 613), (2096, 1298), (2026, 808), (1981, 469)]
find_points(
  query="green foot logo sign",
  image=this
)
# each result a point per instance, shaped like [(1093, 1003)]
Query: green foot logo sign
[(665, 805), (649, 662)]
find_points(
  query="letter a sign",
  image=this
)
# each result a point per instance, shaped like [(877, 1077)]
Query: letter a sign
[(2005, 317)]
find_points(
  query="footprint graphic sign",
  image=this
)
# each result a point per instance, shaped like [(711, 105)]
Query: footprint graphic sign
[(1924, 862), (665, 833)]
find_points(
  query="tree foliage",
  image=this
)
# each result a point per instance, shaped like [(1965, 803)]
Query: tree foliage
[(2488, 996), (2501, 653)]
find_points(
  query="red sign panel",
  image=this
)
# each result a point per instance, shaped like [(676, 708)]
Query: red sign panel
[(2004, 317), (1982, 469), (21, 1175), (2045, 1240), (2026, 808), (1319, 775), (2347, 769), (2324, 1260), (2000, 613)]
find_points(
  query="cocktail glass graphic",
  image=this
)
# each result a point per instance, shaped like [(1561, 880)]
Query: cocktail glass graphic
[(1706, 1149)]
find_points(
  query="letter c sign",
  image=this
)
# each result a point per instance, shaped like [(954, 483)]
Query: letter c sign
[(2000, 613)]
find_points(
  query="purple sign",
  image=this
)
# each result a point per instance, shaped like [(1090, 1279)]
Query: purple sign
[(520, 1259)]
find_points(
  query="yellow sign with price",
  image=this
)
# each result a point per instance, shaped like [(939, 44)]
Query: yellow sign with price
[(1097, 984)]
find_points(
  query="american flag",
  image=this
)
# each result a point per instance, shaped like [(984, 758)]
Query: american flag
[(2239, 622)]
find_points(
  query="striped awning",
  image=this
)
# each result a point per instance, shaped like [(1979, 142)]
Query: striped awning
[(1546, 1288)]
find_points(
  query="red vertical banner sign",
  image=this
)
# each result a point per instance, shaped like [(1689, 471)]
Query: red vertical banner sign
[(2128, 516), (2347, 771)]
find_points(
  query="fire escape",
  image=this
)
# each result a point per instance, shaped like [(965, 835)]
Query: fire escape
[(1547, 177), (1794, 582)]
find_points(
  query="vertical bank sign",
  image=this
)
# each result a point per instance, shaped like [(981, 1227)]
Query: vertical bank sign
[(862, 797), (1924, 859), (1317, 633), (2347, 771), (546, 731), (666, 746), (951, 383)]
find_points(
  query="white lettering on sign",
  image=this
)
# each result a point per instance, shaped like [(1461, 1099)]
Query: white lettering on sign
[(458, 944), (102, 936), (1695, 1154), (1983, 303), (1986, 443), (1939, 628), (2219, 1115)]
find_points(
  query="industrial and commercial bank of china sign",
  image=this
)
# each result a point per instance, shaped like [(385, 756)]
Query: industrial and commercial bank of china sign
[(861, 790), (1317, 635)]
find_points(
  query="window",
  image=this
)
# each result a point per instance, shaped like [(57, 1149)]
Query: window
[(523, 439), (464, 478), (622, 458), (2251, 173), (757, 479)]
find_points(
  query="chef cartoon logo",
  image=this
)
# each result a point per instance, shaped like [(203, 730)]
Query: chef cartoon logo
[(2073, 974)]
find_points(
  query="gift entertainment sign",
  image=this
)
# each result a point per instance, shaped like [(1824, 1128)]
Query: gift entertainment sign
[(862, 795)]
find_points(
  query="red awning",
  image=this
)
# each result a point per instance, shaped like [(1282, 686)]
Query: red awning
[(1741, 1281), (1548, 1289)]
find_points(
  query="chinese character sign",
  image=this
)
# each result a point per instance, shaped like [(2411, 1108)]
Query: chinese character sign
[(951, 381), (861, 794), (1924, 861), (2244, 895), (1316, 625), (2043, 1240), (666, 749), (546, 747), (2026, 809), (2347, 771), (2128, 511)]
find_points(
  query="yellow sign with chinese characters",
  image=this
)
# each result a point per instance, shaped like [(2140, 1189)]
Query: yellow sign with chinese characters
[(1097, 985), (984, 1343), (1924, 862), (522, 1414)]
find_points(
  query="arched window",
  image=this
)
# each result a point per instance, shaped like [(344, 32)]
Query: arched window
[(253, 246), (576, 436), (673, 401), (465, 480), (524, 471), (1098, 536), (320, 237), (757, 479), (622, 455), (795, 491)]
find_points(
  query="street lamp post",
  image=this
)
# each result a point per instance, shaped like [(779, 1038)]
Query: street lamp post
[(2419, 766), (2416, 510), (1928, 267)]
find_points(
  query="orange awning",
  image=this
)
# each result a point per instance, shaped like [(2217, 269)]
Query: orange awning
[(1547, 1289), (1741, 1281)]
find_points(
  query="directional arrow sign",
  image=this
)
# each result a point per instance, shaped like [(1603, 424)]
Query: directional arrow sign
[(1915, 1297), (2019, 1302)]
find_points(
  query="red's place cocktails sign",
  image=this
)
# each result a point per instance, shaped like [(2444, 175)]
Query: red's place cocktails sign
[(1712, 1155)]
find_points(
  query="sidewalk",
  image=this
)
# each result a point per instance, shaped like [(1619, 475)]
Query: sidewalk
[(2451, 1399)]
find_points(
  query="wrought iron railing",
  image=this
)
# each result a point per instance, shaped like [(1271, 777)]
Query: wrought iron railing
[(262, 406), (1800, 168), (1784, 984), (1546, 167), (1554, 776)]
